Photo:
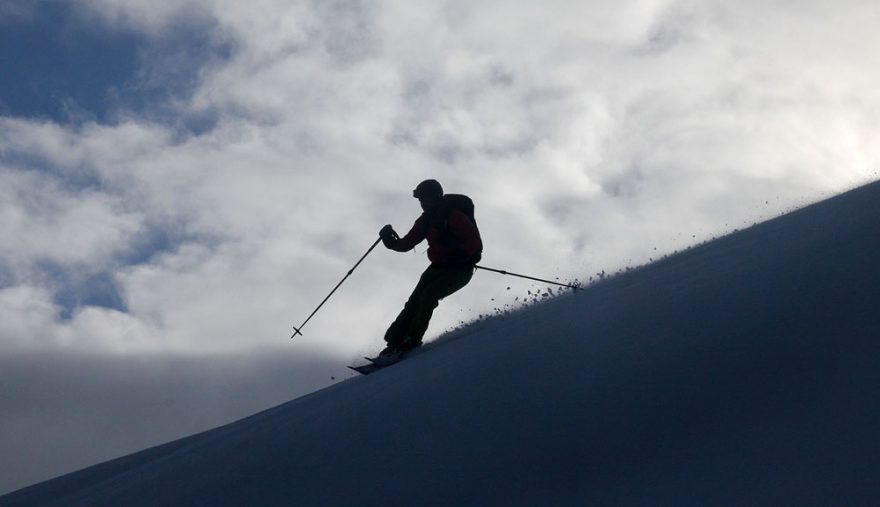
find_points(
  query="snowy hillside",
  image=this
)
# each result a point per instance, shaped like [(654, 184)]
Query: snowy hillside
[(742, 372)]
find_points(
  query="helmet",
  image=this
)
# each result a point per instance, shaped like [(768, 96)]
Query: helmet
[(428, 188)]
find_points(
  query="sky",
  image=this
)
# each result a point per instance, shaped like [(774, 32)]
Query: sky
[(182, 181)]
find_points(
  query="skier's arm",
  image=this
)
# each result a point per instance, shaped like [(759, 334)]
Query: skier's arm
[(415, 236)]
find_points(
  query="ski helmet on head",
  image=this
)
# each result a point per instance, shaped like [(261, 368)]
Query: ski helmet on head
[(428, 188)]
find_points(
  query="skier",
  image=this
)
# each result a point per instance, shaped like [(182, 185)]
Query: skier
[(454, 248)]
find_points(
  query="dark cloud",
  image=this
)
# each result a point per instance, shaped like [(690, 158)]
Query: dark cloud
[(62, 412)]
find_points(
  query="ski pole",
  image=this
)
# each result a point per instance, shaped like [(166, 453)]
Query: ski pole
[(296, 330), (575, 288)]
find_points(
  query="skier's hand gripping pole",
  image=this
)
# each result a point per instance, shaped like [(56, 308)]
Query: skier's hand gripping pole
[(298, 330)]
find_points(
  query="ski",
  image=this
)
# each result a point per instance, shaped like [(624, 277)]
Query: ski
[(366, 369), (375, 365)]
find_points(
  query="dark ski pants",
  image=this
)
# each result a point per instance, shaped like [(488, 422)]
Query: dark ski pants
[(434, 285)]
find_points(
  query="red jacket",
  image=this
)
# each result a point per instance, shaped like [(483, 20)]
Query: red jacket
[(453, 240)]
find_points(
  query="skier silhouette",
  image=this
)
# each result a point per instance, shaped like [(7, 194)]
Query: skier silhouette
[(454, 248)]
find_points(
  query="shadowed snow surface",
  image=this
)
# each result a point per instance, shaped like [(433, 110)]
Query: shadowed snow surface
[(741, 372)]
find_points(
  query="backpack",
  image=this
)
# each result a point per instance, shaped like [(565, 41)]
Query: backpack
[(464, 204)]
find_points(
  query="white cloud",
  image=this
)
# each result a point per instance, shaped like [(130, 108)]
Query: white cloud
[(43, 222), (141, 14), (591, 135), (27, 315)]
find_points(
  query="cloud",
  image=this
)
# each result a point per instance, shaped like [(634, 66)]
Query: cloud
[(615, 132), (140, 15), (16, 11), (591, 136), (64, 412), (44, 222)]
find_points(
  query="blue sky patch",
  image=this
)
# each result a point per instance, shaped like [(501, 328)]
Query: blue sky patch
[(73, 289), (99, 290), (71, 67), (57, 64)]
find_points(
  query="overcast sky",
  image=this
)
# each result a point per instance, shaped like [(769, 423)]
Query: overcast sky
[(184, 180)]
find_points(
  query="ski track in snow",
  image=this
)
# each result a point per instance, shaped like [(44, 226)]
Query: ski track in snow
[(740, 372)]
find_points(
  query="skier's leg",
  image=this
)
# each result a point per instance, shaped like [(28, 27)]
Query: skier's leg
[(398, 329), (442, 284)]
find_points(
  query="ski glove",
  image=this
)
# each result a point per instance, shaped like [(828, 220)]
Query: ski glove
[(389, 237)]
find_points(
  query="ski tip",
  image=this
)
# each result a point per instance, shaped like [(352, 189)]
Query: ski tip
[(365, 369)]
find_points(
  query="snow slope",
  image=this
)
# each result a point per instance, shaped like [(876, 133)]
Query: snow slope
[(741, 372)]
